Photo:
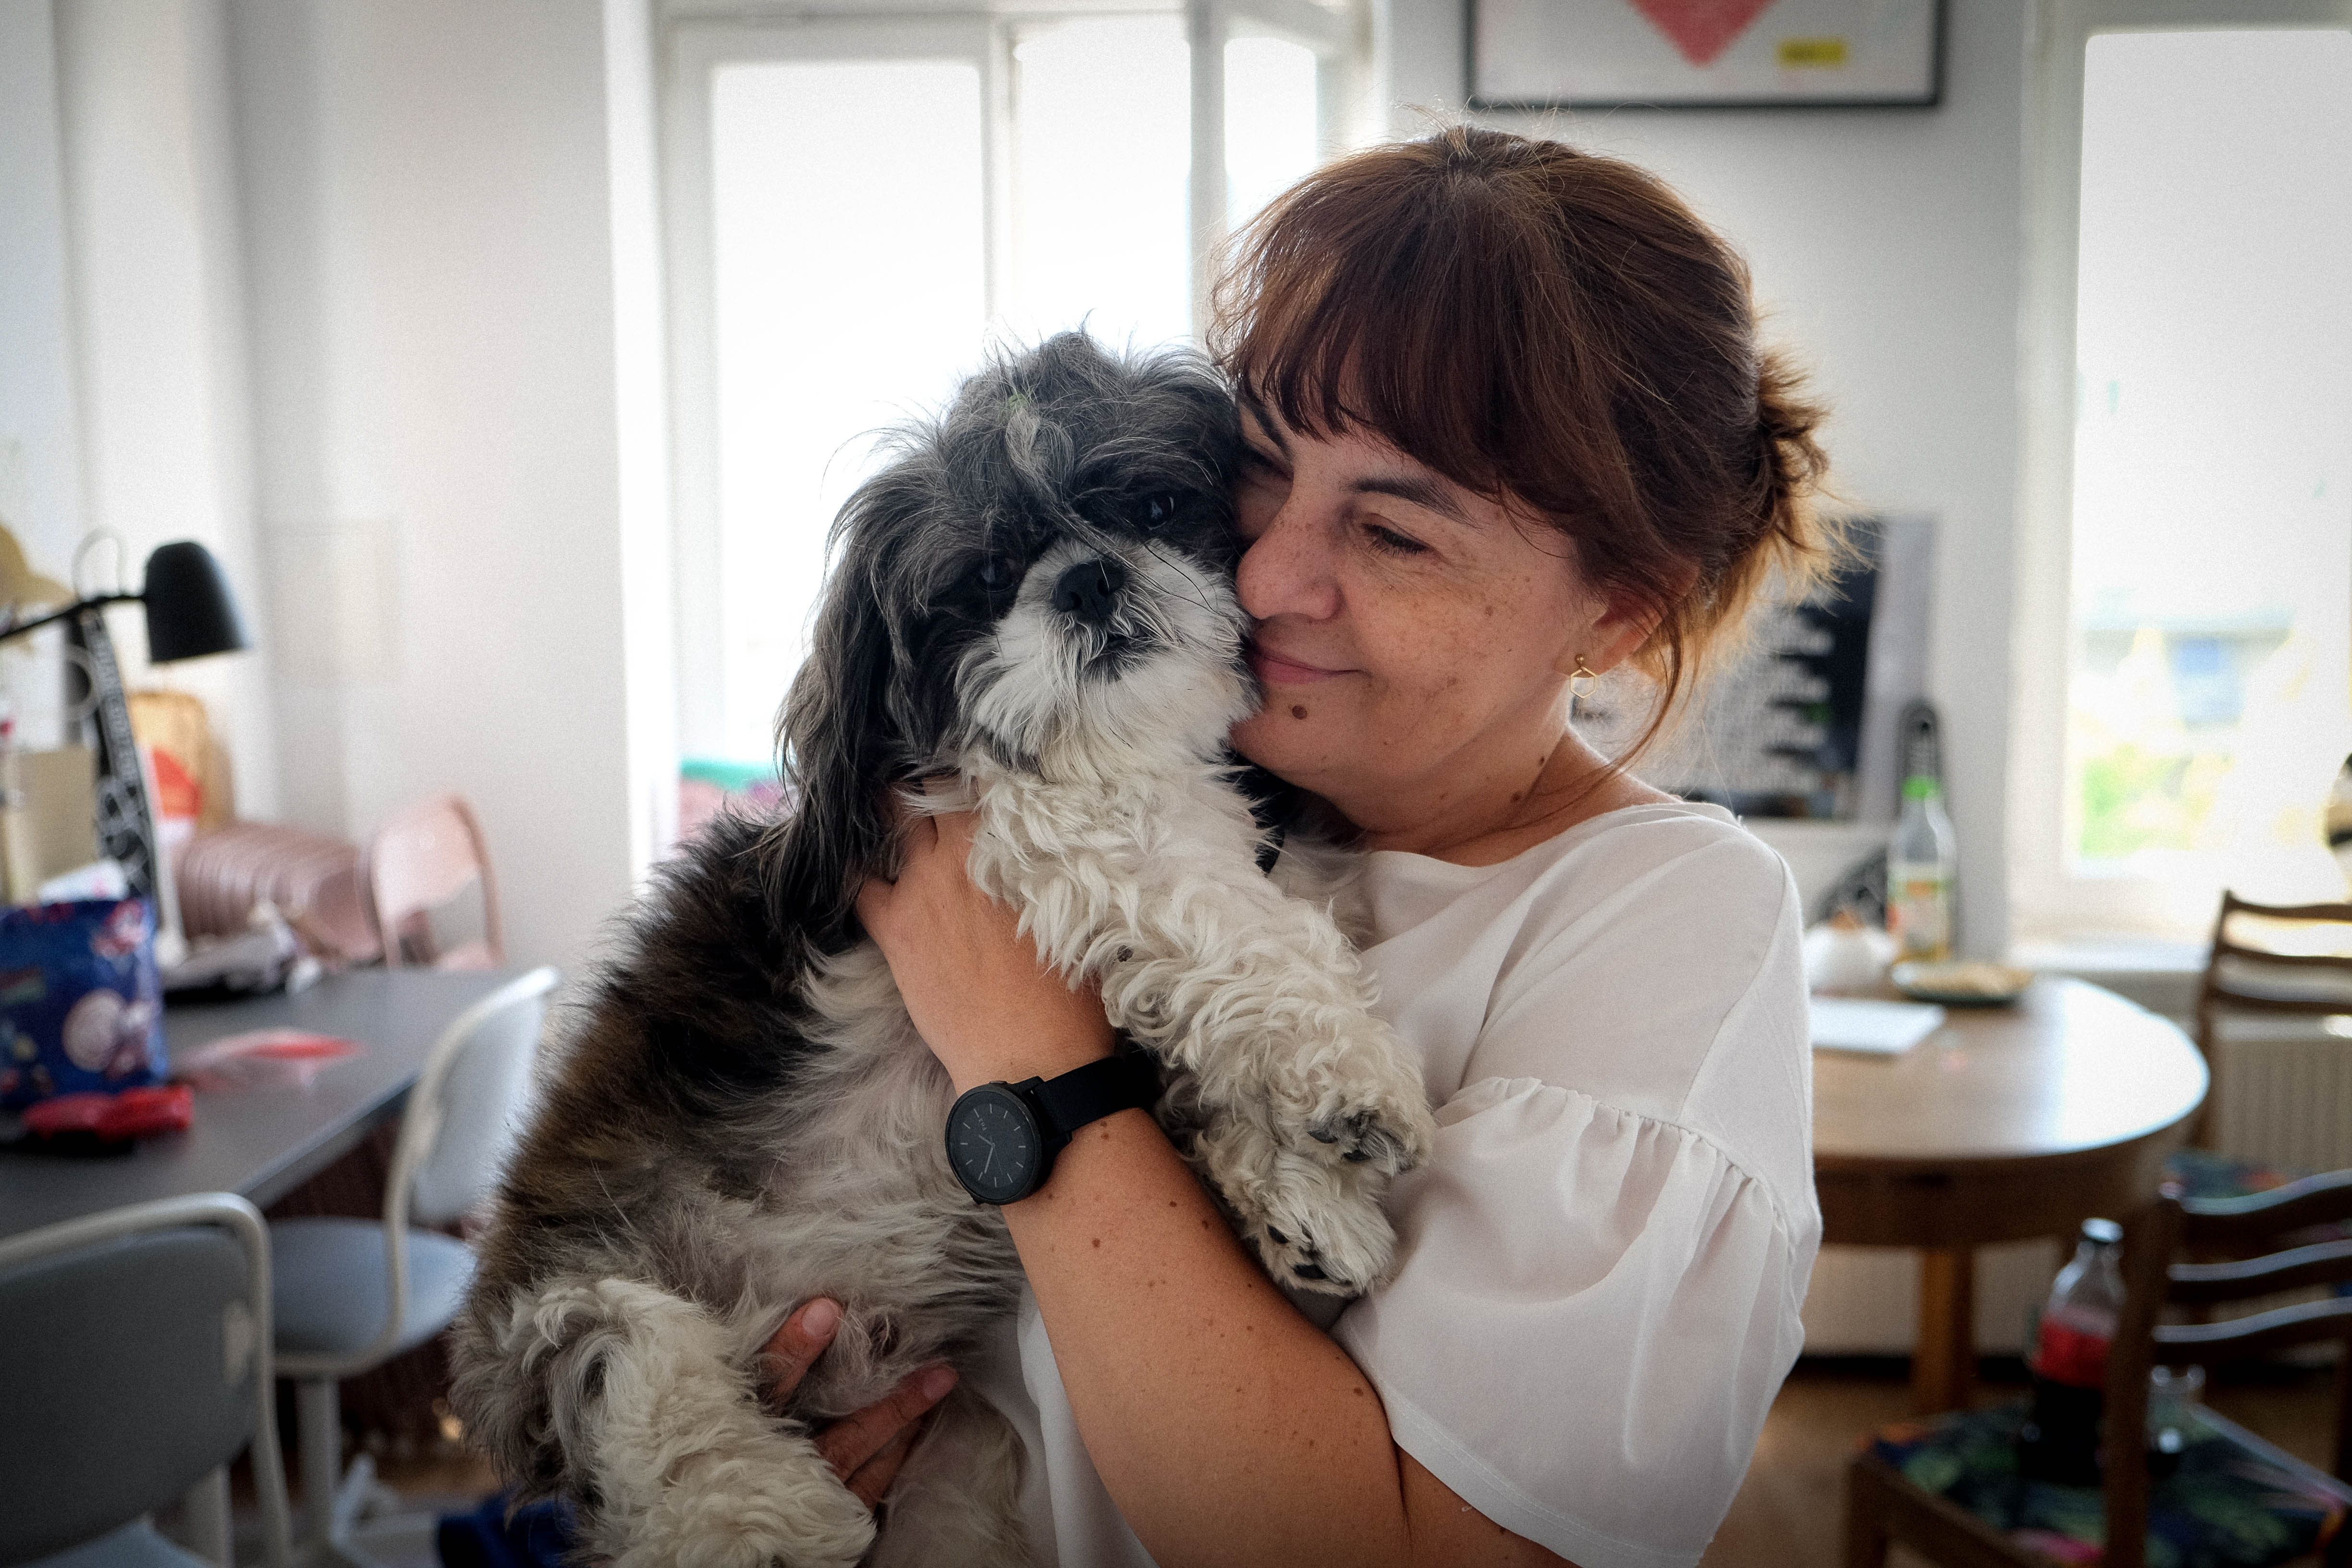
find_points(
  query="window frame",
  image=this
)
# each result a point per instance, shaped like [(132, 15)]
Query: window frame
[(695, 36), (2048, 898)]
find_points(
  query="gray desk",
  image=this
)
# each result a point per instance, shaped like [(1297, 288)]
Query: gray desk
[(261, 1143)]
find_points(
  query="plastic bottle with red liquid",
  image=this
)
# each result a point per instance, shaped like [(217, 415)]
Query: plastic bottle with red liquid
[(2060, 1440)]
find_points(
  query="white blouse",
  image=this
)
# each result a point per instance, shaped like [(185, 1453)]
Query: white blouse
[(1600, 1273)]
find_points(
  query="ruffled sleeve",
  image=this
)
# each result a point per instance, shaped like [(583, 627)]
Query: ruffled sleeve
[(1590, 1315)]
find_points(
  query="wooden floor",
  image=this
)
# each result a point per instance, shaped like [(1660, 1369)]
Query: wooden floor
[(1789, 1511)]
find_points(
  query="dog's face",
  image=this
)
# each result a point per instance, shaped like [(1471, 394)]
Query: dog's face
[(1043, 575)]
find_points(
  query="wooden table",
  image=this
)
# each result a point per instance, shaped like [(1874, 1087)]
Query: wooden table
[(2005, 1124), (261, 1143)]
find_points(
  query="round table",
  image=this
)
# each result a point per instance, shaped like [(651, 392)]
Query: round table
[(2005, 1124)]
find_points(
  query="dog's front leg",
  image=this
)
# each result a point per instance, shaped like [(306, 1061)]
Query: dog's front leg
[(1260, 997), (1305, 1102)]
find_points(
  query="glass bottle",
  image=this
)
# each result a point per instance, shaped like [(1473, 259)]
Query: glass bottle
[(1922, 859), (2060, 1440)]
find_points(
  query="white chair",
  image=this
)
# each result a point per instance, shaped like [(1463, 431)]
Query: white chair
[(351, 1293), (134, 1365)]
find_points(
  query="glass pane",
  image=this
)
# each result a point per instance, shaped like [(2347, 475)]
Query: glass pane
[(1270, 122), (1102, 157), (850, 291), (2212, 521)]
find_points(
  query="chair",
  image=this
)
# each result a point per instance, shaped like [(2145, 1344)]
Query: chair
[(316, 880), (2304, 968), (421, 858), (352, 1293), (1949, 1487), (136, 1346)]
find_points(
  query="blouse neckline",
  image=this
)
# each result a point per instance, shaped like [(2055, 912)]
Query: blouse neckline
[(1431, 869)]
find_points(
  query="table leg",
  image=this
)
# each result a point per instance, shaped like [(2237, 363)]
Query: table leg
[(1944, 1360)]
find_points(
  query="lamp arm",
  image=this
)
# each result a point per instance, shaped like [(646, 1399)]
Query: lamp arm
[(54, 617)]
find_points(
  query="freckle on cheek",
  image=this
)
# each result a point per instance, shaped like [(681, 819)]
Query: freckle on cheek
[(1298, 712)]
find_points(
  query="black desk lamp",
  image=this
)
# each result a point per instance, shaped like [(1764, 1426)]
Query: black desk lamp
[(189, 614)]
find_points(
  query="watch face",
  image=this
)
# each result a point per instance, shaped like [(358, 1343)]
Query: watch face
[(993, 1144)]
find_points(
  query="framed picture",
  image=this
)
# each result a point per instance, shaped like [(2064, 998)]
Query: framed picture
[(1704, 54)]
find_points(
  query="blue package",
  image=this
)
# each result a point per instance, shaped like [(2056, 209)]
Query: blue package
[(81, 1007)]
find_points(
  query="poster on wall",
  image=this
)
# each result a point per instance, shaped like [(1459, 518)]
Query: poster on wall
[(1704, 54), (1804, 725)]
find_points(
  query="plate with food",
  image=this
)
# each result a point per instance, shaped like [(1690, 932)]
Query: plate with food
[(1961, 982)]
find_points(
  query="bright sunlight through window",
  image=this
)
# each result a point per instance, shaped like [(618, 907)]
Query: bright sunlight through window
[(851, 225), (2212, 518), (850, 293)]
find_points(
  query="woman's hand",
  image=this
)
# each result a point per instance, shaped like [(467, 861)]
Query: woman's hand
[(974, 986), (865, 1449)]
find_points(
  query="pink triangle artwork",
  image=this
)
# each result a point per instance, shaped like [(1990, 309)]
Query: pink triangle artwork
[(1701, 29)]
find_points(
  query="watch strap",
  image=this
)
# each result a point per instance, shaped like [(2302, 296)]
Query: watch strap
[(1126, 1080)]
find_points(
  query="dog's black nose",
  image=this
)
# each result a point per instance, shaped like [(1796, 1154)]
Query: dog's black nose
[(1091, 590)]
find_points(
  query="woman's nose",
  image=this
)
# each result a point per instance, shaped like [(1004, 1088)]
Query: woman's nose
[(1286, 570)]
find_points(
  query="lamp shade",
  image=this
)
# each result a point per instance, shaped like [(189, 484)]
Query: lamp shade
[(189, 611)]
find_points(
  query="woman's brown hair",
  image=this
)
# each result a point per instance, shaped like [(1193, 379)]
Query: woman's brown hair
[(1550, 328)]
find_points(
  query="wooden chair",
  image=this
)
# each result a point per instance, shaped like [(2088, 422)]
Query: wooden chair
[(2259, 1235), (423, 858), (2312, 977)]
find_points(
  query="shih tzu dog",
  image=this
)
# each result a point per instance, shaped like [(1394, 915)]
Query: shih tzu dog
[(1034, 603)]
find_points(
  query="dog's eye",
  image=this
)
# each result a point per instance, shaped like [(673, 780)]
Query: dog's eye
[(1158, 512), (995, 573)]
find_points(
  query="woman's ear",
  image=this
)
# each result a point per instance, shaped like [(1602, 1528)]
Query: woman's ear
[(1625, 622)]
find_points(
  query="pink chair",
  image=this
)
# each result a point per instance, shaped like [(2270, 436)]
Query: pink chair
[(422, 857)]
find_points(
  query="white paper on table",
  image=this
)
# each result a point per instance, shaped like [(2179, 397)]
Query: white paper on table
[(1881, 1028)]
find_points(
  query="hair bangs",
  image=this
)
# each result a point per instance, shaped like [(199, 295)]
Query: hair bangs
[(1362, 300)]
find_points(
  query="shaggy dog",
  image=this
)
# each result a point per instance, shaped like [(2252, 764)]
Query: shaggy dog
[(1033, 600)]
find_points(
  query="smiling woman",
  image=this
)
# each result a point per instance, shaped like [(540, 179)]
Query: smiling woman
[(1538, 433), (1507, 423)]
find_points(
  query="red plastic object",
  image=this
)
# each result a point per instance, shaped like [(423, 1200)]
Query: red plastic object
[(114, 1118)]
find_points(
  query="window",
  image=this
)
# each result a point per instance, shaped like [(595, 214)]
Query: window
[(2188, 612), (859, 205)]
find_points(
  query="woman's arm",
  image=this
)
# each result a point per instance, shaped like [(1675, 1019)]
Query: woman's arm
[(1226, 1426)]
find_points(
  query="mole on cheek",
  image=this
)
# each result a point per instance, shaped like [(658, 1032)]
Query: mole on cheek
[(1298, 712)]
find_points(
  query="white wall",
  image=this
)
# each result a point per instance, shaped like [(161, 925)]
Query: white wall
[(40, 440), (431, 282), (1886, 246), (157, 322), (367, 297)]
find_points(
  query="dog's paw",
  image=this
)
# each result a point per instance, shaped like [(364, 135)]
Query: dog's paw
[(1316, 1229), (1391, 1139), (1368, 1109)]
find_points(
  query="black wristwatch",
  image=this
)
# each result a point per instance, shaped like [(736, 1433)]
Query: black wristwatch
[(1002, 1137)]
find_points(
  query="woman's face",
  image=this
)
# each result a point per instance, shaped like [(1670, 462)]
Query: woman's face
[(1415, 639)]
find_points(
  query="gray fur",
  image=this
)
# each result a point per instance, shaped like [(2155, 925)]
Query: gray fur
[(743, 1117)]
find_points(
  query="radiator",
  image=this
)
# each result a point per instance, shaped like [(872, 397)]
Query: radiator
[(2284, 1092)]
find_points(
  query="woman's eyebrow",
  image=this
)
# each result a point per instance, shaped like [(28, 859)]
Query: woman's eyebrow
[(1420, 492)]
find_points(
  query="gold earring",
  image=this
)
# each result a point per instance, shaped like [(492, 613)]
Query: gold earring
[(1591, 677)]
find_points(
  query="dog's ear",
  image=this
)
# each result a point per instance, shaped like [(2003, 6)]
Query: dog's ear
[(840, 756)]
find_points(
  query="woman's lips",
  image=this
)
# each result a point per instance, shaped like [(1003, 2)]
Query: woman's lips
[(1275, 670)]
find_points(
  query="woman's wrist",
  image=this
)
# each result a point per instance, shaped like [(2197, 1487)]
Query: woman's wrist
[(1014, 1056)]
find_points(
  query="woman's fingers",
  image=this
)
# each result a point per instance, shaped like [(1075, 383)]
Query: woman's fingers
[(801, 1341), (874, 1477), (853, 1442)]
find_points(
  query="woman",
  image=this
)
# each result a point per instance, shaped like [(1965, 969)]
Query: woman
[(1508, 428)]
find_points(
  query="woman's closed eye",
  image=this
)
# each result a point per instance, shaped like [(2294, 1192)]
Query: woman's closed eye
[(1256, 463), (1389, 542)]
